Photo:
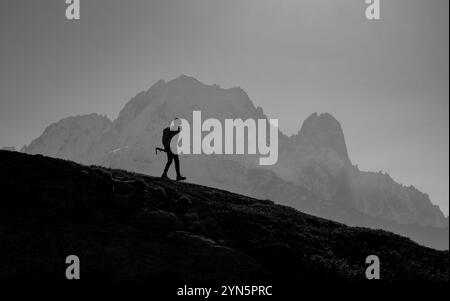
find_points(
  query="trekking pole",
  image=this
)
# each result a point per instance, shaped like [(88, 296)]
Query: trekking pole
[(159, 149)]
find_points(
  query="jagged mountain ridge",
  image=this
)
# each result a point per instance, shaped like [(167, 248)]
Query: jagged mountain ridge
[(320, 161), (128, 226), (315, 161), (70, 138)]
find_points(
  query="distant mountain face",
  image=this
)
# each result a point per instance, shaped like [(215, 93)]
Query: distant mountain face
[(313, 174), (318, 160), (71, 138), (8, 148)]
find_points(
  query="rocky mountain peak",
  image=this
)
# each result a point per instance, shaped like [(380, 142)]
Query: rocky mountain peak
[(315, 160), (323, 131)]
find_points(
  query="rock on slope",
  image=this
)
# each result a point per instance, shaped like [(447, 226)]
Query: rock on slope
[(124, 225)]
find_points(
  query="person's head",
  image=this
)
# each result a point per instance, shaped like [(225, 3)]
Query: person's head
[(175, 123)]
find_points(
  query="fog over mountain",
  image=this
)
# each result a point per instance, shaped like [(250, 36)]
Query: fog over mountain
[(313, 174)]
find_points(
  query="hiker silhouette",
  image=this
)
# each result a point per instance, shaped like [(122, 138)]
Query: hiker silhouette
[(168, 133)]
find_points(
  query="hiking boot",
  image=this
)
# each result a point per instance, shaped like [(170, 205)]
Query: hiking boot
[(165, 177), (181, 178)]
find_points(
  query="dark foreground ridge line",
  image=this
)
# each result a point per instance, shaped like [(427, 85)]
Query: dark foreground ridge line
[(128, 226)]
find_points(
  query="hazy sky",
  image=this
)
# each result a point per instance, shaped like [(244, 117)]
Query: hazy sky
[(385, 81)]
